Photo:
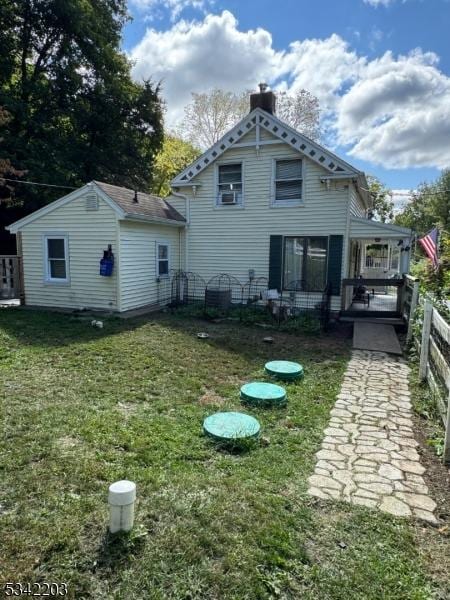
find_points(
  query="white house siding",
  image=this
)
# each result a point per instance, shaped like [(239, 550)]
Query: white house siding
[(233, 240), (89, 233), (138, 280), (357, 208)]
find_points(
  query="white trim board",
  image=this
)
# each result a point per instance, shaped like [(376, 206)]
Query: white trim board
[(260, 118)]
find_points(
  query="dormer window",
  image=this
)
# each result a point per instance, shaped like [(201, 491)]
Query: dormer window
[(229, 184), (287, 182)]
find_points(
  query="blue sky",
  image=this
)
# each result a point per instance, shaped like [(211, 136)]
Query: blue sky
[(380, 68)]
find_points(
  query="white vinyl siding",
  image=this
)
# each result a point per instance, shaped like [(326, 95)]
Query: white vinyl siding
[(233, 242), (88, 235), (139, 245), (357, 207)]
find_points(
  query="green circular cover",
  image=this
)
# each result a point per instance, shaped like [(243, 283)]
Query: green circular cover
[(262, 393), (284, 369), (231, 426)]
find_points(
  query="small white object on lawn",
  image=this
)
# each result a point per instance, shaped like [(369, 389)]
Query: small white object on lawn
[(97, 324), (121, 499)]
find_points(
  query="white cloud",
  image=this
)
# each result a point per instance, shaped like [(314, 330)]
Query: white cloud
[(393, 110), (174, 7), (400, 199), (195, 57), (379, 2)]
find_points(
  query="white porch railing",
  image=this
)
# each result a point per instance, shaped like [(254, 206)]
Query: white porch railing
[(374, 262)]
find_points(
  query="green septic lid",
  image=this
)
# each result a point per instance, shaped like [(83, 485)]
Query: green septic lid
[(260, 393), (231, 426), (284, 369)]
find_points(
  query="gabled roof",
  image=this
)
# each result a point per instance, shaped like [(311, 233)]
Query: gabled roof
[(148, 208), (147, 205), (286, 134), (360, 227)]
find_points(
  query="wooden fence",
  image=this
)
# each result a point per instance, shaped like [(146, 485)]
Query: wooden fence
[(431, 336), (10, 277)]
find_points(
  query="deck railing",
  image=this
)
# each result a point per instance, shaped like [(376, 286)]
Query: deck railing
[(10, 277)]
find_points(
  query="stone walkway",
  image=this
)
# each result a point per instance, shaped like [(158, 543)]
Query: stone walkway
[(368, 454)]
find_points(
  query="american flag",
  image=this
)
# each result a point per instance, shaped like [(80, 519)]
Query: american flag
[(430, 245)]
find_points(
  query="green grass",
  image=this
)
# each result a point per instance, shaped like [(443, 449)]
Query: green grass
[(85, 407)]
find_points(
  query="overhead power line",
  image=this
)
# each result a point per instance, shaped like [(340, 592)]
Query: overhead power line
[(67, 187)]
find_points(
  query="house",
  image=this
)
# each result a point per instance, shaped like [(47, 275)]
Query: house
[(264, 201), (62, 245)]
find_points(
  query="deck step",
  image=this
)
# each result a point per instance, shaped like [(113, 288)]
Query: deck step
[(395, 321)]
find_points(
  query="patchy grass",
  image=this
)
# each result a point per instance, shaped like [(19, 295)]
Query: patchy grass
[(84, 407)]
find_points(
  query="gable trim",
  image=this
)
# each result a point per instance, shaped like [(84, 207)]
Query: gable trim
[(285, 134), (37, 214)]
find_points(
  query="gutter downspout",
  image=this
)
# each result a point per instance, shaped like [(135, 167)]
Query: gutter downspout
[(347, 247), (187, 204)]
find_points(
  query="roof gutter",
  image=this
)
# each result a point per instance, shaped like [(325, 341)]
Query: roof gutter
[(155, 220)]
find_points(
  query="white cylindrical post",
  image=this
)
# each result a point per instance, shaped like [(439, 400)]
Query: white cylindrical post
[(121, 499)]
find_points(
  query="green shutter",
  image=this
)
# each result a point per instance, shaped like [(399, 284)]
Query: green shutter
[(275, 262), (335, 246)]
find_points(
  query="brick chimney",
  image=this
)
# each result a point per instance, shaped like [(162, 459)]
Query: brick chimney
[(264, 99)]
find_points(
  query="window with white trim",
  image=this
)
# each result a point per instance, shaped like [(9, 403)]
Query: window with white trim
[(229, 184), (56, 258), (162, 259), (288, 181)]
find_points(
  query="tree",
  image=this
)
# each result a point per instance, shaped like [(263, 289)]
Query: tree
[(301, 111), (383, 206), (210, 115), (7, 170), (76, 114), (429, 207), (175, 155)]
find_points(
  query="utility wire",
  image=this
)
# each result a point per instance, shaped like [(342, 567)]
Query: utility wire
[(67, 187)]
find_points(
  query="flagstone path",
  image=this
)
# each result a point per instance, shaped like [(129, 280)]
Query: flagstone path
[(368, 455)]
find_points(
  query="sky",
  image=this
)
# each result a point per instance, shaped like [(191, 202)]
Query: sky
[(380, 69)]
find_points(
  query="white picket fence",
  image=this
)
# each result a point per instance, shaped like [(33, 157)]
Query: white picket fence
[(433, 344)]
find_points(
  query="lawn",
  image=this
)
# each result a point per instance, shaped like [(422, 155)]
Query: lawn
[(84, 407)]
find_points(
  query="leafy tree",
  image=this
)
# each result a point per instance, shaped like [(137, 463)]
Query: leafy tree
[(383, 206), (429, 208), (175, 155), (76, 114), (210, 115), (301, 111)]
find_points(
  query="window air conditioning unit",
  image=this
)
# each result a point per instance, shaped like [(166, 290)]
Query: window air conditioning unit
[(229, 197)]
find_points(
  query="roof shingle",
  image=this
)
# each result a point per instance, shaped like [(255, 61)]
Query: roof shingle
[(147, 205)]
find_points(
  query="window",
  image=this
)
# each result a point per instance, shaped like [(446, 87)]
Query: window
[(56, 258), (305, 263), (162, 260), (229, 184), (288, 181)]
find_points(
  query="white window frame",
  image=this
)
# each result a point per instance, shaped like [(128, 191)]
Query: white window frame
[(47, 272), (157, 259), (294, 201), (217, 203)]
